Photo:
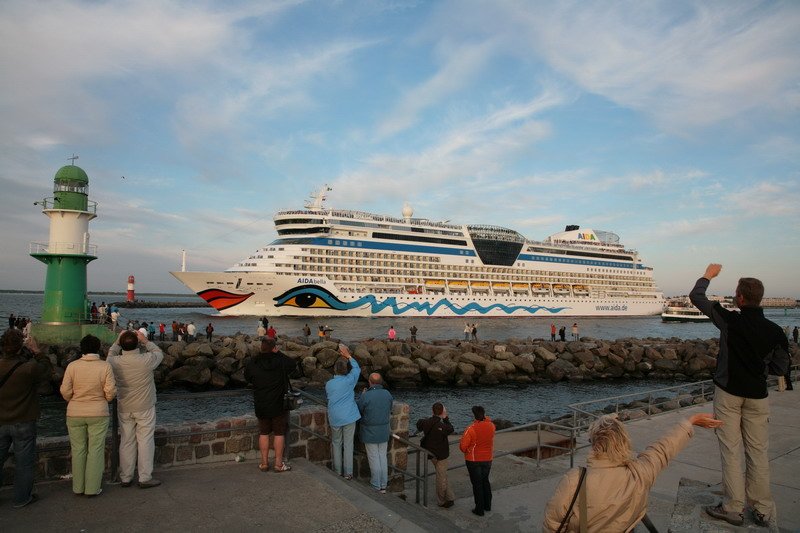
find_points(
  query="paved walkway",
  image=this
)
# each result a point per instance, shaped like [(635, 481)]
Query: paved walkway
[(238, 497)]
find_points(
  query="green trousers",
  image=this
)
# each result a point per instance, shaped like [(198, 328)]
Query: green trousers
[(87, 438)]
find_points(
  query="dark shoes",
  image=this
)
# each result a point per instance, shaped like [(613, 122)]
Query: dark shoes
[(718, 512), (32, 499), (448, 504), (759, 519), (125, 484), (149, 484), (479, 513)]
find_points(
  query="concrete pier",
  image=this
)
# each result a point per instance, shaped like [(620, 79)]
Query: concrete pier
[(238, 497)]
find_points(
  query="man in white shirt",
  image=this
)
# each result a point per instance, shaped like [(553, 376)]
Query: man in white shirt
[(191, 331), (136, 400)]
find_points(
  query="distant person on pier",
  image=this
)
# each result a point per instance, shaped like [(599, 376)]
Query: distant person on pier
[(269, 373), (467, 331), (375, 406), (307, 334), (191, 332), (136, 405), (143, 329), (261, 331), (750, 347), (271, 333), (26, 329), (114, 319), (209, 331), (93, 312), (575, 336), (321, 334), (413, 330), (614, 483), (343, 411), (477, 445), (12, 321), (437, 429), (151, 331), (795, 333), (474, 332), (22, 369), (88, 386), (562, 333), (392, 333), (553, 331), (174, 331), (101, 313), (162, 329)]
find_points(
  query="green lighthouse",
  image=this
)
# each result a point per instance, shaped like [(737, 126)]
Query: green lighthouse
[(65, 314)]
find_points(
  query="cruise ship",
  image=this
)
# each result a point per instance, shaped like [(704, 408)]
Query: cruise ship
[(336, 262)]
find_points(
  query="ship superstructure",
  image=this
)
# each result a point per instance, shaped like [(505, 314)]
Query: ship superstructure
[(332, 262)]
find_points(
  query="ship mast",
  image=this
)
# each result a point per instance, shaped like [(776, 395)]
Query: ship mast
[(318, 198)]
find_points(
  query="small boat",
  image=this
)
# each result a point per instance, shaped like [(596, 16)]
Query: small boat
[(519, 287), (434, 283), (457, 284), (686, 312), (479, 286), (501, 286)]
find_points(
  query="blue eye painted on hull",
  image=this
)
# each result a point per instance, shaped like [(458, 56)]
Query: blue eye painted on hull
[(311, 297)]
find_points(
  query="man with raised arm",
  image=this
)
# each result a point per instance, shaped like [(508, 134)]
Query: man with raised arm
[(749, 346), (136, 405)]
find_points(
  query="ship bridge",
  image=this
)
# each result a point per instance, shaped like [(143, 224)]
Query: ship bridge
[(496, 245)]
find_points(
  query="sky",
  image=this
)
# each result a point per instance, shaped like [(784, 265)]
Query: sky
[(675, 124)]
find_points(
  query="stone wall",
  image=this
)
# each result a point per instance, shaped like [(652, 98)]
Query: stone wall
[(230, 440)]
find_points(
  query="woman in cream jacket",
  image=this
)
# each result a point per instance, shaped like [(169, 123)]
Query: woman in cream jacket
[(88, 386)]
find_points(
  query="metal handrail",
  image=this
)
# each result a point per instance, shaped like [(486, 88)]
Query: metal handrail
[(423, 479)]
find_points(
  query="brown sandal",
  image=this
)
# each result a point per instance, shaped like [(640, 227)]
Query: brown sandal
[(264, 467), (283, 468)]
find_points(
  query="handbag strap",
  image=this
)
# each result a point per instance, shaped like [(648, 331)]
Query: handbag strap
[(8, 374), (583, 515), (578, 490)]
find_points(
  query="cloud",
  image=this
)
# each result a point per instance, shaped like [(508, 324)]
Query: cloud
[(461, 66), (677, 229), (765, 199), (778, 148)]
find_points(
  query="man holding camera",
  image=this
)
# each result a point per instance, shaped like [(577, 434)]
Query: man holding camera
[(136, 405), (437, 429)]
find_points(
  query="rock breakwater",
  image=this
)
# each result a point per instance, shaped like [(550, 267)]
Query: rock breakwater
[(220, 364)]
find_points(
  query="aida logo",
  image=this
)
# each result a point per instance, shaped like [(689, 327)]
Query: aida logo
[(586, 237)]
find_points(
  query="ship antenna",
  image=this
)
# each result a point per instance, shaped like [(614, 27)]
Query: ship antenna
[(318, 198)]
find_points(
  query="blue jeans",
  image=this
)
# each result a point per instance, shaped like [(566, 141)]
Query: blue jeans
[(378, 465), (481, 488), (343, 436), (23, 437)]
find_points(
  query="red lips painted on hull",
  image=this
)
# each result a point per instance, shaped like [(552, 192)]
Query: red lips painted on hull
[(221, 300)]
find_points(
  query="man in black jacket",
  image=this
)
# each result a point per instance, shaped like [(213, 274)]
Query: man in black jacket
[(437, 428), (747, 343), (269, 372)]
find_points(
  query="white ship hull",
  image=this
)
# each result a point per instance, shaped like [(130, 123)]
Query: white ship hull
[(260, 294)]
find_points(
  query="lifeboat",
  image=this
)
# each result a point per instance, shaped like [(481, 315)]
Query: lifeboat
[(580, 290), (560, 289), (481, 286), (501, 286), (434, 283), (519, 287), (457, 284), (540, 288)]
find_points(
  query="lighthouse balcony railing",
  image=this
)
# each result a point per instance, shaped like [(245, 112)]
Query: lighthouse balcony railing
[(65, 248), (53, 203)]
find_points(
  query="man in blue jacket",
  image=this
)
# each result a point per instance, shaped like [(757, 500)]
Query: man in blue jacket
[(375, 405), (747, 343), (343, 411)]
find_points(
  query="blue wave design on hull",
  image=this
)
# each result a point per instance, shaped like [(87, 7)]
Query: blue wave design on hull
[(429, 308)]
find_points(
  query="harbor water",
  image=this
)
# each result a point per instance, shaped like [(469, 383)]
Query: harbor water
[(519, 404)]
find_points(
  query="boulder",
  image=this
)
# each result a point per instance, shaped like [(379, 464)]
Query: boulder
[(466, 369), (380, 361), (396, 360), (670, 353), (218, 379), (442, 372), (309, 364), (238, 379), (326, 357), (192, 375), (585, 357), (227, 365), (324, 345), (205, 350), (204, 362), (546, 355), (404, 373), (320, 375), (665, 365), (473, 359), (523, 363), (559, 369), (644, 366), (615, 359)]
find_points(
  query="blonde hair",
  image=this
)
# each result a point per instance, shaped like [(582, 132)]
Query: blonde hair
[(610, 440)]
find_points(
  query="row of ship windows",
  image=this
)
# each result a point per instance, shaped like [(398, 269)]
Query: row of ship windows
[(390, 266)]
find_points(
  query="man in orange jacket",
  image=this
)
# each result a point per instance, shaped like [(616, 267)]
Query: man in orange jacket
[(477, 444)]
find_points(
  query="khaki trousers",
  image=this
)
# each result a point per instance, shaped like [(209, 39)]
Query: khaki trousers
[(444, 493), (744, 434)]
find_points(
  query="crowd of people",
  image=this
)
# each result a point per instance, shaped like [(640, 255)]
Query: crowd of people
[(21, 323), (751, 347)]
